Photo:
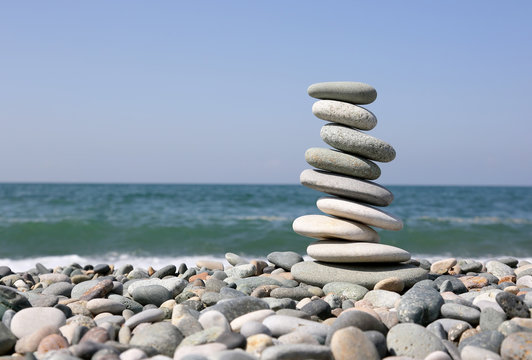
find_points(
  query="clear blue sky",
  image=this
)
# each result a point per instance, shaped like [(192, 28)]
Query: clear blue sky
[(195, 91)]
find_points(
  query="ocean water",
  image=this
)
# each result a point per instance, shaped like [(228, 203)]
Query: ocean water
[(161, 224)]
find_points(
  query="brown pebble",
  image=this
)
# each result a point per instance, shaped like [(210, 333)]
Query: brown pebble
[(52, 342), (151, 271), (468, 333), (512, 289), (99, 290), (76, 279), (336, 312), (29, 343), (391, 284), (201, 276), (474, 282), (286, 275), (455, 270), (259, 265), (263, 290), (96, 334), (388, 317), (350, 343), (508, 278), (257, 343), (443, 266)]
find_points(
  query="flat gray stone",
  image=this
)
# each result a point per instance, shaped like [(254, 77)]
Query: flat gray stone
[(59, 288), (150, 315), (499, 269), (233, 308), (349, 91), (346, 186), (284, 259), (355, 142), (461, 312), (162, 336), (359, 212), (319, 273), (151, 294), (339, 251), (327, 227), (412, 340), (420, 305), (342, 163), (344, 113)]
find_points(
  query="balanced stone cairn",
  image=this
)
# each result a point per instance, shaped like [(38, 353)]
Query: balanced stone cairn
[(347, 248)]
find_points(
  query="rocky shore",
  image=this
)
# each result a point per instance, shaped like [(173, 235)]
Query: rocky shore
[(256, 309)]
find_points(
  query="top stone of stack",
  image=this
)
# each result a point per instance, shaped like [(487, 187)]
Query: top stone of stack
[(348, 91)]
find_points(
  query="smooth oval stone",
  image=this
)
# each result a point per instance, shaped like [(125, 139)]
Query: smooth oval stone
[(356, 142), (420, 305), (346, 186), (28, 320), (150, 315), (367, 275), (517, 346), (151, 294), (351, 341), (363, 213), (97, 306), (412, 340), (326, 227), (344, 113), (342, 163), (162, 336), (461, 312), (339, 251), (349, 91), (258, 316)]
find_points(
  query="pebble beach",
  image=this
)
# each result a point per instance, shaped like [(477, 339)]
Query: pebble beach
[(258, 309)]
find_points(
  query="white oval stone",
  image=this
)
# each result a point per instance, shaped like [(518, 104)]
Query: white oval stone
[(29, 320), (326, 227), (338, 251), (359, 212), (344, 113), (346, 186)]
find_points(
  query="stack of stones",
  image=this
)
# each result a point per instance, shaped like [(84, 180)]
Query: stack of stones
[(348, 249)]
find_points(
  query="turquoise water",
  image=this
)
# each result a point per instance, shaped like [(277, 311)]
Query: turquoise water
[(39, 221)]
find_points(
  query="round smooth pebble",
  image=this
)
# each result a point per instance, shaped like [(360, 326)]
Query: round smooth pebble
[(338, 251), (326, 227), (349, 91), (350, 343), (412, 340), (342, 163), (517, 346), (391, 284), (258, 316), (344, 113), (162, 336), (442, 266), (355, 142), (346, 186), (345, 289), (363, 213), (29, 320)]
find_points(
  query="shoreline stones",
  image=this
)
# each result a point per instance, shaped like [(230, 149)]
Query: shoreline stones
[(269, 315), (345, 172)]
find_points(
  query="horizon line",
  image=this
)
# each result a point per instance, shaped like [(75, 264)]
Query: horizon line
[(226, 183)]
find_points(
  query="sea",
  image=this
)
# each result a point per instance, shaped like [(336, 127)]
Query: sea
[(156, 225)]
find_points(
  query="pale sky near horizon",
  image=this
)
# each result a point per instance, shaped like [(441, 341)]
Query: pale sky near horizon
[(215, 92)]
